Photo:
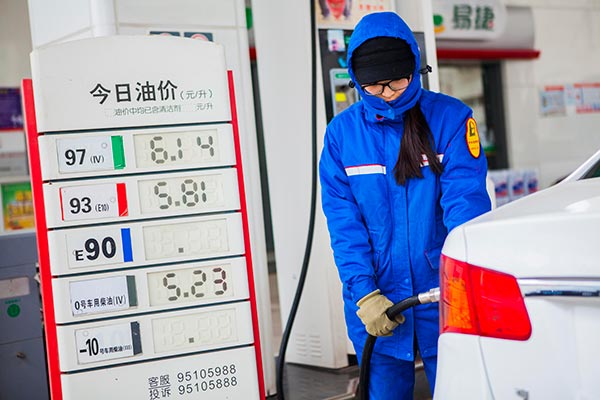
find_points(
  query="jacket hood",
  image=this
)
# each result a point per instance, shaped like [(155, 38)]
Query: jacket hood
[(391, 25)]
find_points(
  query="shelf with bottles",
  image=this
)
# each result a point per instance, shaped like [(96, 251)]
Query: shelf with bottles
[(513, 184), (16, 203)]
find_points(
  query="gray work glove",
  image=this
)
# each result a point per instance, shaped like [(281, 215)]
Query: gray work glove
[(371, 312)]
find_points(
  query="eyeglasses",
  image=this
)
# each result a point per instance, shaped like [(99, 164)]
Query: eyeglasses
[(395, 85)]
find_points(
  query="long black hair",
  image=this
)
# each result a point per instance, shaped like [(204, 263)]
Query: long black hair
[(417, 140)]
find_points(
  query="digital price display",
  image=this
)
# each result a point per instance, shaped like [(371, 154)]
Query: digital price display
[(190, 331), (143, 290), (187, 193), (190, 284), (190, 239), (142, 226), (141, 197), (181, 148), (66, 156)]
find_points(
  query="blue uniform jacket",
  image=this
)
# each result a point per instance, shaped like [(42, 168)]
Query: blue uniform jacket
[(387, 236)]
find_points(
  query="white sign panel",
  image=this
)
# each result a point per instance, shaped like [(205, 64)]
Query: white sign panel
[(93, 296), (85, 202), (96, 153), (98, 92), (227, 374), (84, 248), (108, 342)]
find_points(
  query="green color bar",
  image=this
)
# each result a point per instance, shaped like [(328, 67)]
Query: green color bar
[(249, 19), (118, 153)]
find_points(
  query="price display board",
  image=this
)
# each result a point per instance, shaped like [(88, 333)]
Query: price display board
[(143, 239)]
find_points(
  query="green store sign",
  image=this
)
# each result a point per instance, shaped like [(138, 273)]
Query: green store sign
[(468, 19)]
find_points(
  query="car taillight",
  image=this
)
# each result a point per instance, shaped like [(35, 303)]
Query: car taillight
[(482, 302)]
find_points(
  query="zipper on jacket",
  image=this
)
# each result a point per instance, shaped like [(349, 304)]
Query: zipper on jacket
[(410, 269)]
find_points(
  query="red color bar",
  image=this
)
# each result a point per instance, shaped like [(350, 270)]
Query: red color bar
[(42, 240), (10, 130), (488, 54), (62, 211), (122, 200), (244, 210)]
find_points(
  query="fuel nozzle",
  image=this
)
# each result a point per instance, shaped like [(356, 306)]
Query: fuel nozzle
[(431, 296)]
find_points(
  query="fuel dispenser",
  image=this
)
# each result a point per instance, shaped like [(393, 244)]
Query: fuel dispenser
[(21, 338), (337, 91)]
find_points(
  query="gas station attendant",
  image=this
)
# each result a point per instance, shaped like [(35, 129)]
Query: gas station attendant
[(399, 170)]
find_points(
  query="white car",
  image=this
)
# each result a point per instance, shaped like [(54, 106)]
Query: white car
[(520, 298)]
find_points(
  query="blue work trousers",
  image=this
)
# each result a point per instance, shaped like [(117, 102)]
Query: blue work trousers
[(394, 379)]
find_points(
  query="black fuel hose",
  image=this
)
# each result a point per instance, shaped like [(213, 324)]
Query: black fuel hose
[(313, 202), (431, 296)]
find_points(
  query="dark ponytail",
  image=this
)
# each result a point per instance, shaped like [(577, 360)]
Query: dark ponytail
[(416, 141)]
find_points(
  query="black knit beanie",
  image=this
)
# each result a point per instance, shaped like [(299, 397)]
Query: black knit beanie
[(382, 58)]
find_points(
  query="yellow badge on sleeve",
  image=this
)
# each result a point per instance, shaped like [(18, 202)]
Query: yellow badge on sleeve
[(472, 136)]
